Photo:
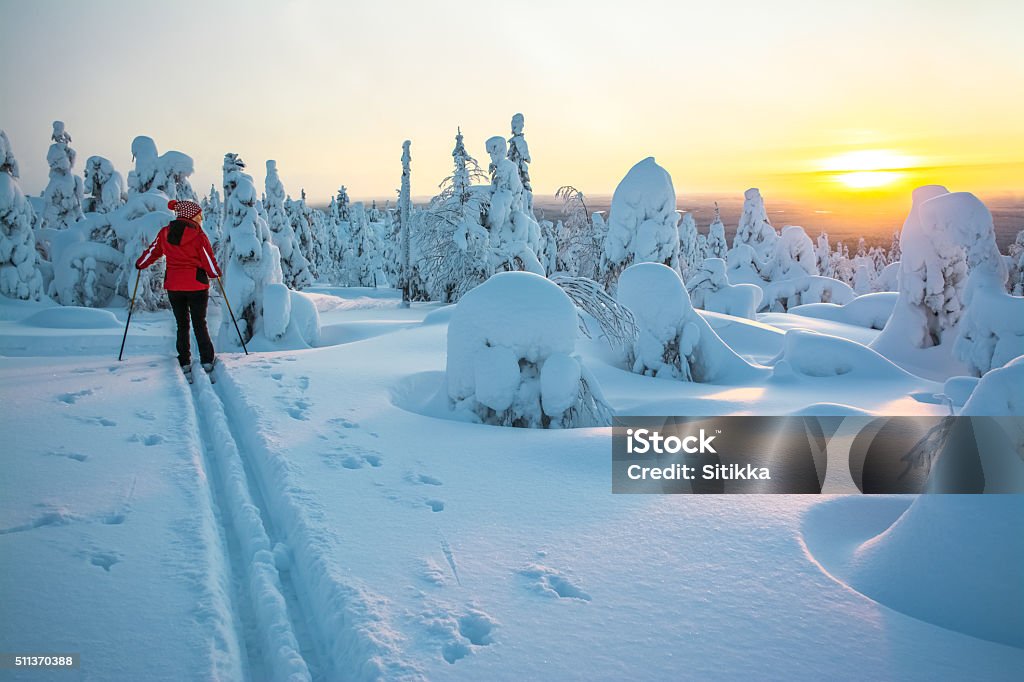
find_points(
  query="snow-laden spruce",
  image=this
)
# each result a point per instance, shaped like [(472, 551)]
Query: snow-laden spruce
[(511, 357), (709, 289), (252, 262), (451, 245), (363, 262), (674, 341), (94, 259), (213, 216), (294, 266), (791, 257), (300, 217), (1015, 252), (642, 224), (717, 246), (952, 285), (579, 241), (519, 154), (513, 231), (755, 229), (19, 269), (104, 186), (62, 198), (168, 172), (690, 256)]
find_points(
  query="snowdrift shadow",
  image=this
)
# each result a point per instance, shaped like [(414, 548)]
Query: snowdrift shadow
[(843, 536)]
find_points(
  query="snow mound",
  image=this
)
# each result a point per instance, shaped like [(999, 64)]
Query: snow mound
[(952, 560), (870, 310), (73, 317), (674, 341), (999, 393), (788, 293), (510, 357), (710, 290), (812, 354), (830, 410)]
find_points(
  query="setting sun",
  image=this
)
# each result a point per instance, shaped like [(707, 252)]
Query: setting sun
[(868, 169)]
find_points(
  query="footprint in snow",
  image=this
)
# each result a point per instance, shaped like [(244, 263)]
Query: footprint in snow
[(76, 456), (105, 560), (423, 478), (152, 439), (460, 633), (435, 505), (72, 398), (552, 583)]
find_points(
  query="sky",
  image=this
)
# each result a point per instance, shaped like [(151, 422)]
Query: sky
[(789, 96)]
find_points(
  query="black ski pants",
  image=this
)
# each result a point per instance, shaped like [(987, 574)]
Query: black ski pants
[(192, 304)]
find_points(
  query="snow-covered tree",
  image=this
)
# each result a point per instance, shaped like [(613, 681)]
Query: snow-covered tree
[(213, 217), (689, 249), (451, 243), (717, 246), (513, 232), (519, 154), (511, 358), (642, 225), (168, 173), (104, 186), (579, 249), (710, 290), (949, 260), (62, 198), (1016, 253), (674, 341), (251, 260), (364, 256), (792, 256), (338, 237), (19, 270), (755, 229), (894, 249), (823, 256), (294, 266), (300, 217)]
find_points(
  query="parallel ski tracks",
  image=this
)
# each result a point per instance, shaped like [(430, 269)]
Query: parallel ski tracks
[(272, 618)]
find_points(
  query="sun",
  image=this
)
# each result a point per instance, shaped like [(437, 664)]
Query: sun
[(868, 168)]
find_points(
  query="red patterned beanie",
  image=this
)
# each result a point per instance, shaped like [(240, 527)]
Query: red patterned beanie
[(185, 209)]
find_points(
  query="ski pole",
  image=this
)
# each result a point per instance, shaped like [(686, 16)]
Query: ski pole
[(130, 308), (230, 312)]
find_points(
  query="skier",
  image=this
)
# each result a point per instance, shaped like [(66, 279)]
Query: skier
[(190, 266)]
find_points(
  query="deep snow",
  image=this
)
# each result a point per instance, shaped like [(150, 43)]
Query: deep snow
[(308, 516)]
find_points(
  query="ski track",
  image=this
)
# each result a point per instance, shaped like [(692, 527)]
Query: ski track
[(249, 546), (308, 623)]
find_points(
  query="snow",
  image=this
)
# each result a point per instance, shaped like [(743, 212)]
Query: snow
[(948, 257), (709, 289), (72, 317), (999, 393), (301, 514), (870, 310), (642, 224), (501, 337), (674, 340)]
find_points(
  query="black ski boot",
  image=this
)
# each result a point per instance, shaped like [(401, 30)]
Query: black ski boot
[(187, 371)]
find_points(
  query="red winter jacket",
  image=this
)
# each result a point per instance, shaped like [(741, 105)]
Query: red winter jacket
[(190, 260)]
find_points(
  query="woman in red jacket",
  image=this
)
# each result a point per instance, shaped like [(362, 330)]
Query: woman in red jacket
[(190, 266)]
